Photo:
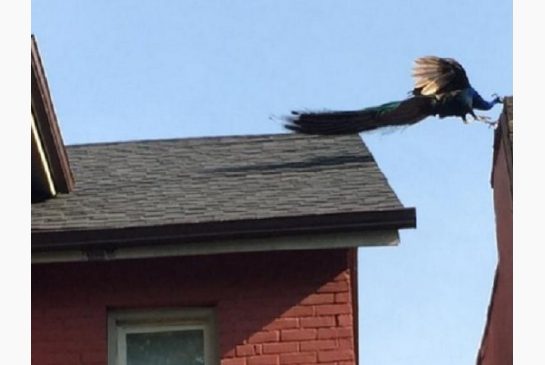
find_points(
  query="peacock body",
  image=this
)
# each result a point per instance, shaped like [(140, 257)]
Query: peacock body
[(441, 88)]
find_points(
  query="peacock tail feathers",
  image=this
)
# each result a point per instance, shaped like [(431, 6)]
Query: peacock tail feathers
[(395, 113)]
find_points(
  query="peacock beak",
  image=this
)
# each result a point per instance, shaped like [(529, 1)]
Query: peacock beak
[(497, 98)]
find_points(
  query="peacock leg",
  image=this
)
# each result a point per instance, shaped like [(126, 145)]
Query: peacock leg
[(484, 119)]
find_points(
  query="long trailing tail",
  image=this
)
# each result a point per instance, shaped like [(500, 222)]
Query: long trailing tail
[(397, 113)]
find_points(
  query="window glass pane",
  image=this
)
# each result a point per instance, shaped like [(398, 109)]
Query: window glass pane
[(166, 348)]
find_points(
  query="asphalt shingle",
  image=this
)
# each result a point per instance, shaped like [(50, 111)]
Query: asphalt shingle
[(180, 181)]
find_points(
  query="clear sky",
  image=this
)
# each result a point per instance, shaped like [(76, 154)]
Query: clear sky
[(126, 70)]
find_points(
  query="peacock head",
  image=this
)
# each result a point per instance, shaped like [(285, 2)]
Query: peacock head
[(497, 99)]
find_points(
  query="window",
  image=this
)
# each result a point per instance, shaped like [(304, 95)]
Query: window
[(162, 337)]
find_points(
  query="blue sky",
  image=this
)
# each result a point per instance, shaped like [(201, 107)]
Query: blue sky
[(125, 70)]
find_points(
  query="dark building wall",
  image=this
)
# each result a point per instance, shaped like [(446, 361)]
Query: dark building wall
[(497, 343), (289, 307)]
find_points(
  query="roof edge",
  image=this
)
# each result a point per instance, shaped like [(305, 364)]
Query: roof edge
[(503, 138), (221, 230), (47, 126), (338, 240)]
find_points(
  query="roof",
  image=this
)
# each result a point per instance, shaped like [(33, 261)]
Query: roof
[(50, 168), (211, 183)]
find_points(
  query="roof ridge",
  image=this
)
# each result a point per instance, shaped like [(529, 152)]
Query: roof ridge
[(224, 138)]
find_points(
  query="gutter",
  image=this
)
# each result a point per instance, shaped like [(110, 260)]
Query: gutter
[(179, 234)]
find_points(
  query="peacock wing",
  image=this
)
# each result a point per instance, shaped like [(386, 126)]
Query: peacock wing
[(435, 75)]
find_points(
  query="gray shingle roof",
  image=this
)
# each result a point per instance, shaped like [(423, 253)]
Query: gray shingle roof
[(181, 181)]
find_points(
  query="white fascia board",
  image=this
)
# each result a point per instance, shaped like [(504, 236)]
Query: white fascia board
[(37, 142), (302, 242)]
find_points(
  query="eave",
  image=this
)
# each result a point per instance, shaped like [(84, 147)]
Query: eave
[(51, 172), (42, 182), (356, 229)]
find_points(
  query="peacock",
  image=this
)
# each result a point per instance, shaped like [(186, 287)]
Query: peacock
[(441, 88)]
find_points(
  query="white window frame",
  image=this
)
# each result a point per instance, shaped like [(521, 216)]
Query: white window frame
[(123, 322)]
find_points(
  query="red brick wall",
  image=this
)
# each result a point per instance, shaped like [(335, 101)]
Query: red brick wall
[(292, 307), (497, 344)]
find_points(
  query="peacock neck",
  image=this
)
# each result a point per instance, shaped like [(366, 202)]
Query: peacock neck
[(480, 103)]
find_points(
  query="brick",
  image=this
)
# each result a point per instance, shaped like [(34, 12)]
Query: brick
[(345, 320), (93, 357), (63, 358), (315, 322), (79, 322), (67, 335), (236, 361), (258, 349), (74, 345), (234, 326), (262, 337), (342, 297), (334, 287), (282, 323), (245, 350), (37, 313), (263, 360), (318, 345), (298, 358), (299, 311), (326, 333), (229, 353), (337, 355), (298, 335), (45, 323), (282, 347), (345, 363), (344, 276), (328, 298), (330, 309), (346, 344), (67, 313)]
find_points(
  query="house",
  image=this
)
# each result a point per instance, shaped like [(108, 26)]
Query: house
[(497, 342), (237, 250)]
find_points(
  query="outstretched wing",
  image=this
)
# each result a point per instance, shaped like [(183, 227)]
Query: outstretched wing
[(434, 75)]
